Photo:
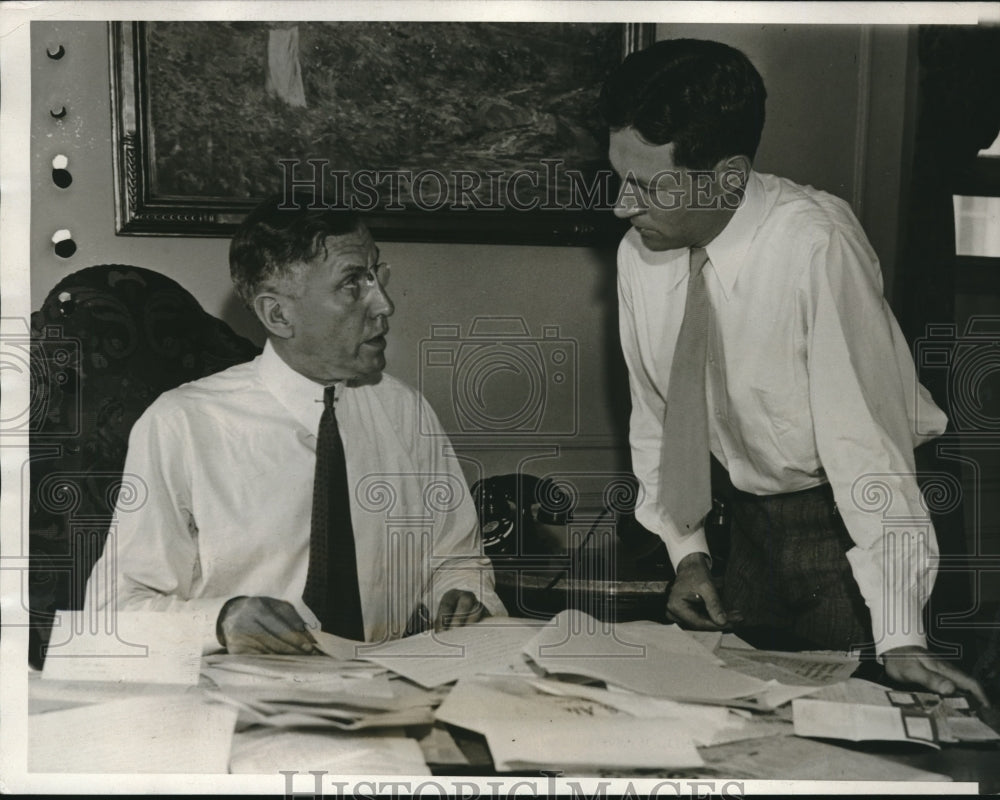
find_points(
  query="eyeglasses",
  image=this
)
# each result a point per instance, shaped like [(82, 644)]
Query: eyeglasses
[(379, 272), (364, 279)]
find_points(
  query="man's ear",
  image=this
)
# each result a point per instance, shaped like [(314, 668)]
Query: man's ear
[(733, 172), (272, 311)]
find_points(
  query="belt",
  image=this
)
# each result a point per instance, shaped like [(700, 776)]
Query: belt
[(823, 491)]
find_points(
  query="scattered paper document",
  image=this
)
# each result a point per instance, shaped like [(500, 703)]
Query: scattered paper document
[(290, 706), (708, 725), (797, 669), (860, 723), (789, 758), (860, 710), (436, 658), (734, 642), (315, 672), (143, 647), (336, 646), (439, 747), (967, 729), (528, 729), (158, 734), (650, 659), (55, 695), (710, 640), (267, 751), (776, 694), (673, 637), (294, 667), (609, 743)]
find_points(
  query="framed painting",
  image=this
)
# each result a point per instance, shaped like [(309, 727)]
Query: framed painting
[(437, 131)]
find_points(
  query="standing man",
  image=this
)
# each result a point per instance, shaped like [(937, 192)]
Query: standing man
[(754, 327), (272, 485)]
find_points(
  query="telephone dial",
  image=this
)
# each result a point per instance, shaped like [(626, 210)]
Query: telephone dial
[(512, 507)]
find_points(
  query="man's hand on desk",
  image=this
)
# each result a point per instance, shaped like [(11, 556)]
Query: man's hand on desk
[(918, 666), (693, 601), (263, 625), (458, 607)]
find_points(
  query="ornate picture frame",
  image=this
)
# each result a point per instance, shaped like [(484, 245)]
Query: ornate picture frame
[(459, 132)]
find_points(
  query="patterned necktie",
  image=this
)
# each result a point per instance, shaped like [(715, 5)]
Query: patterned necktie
[(332, 580), (685, 484)]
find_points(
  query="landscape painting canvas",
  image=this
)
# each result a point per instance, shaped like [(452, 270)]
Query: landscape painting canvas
[(440, 129)]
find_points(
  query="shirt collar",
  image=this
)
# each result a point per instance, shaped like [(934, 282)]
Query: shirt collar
[(727, 251), (301, 396)]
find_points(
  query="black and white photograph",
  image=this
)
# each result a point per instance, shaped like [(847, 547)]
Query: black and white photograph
[(500, 399)]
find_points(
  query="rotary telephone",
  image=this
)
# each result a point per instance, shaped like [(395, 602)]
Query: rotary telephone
[(511, 510)]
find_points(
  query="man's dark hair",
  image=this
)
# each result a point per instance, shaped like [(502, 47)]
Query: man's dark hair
[(279, 237), (705, 97)]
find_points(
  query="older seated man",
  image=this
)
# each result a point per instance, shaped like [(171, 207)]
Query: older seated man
[(304, 489)]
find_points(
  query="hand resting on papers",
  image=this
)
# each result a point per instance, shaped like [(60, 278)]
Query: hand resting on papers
[(263, 625), (693, 602), (457, 608), (916, 665), (269, 625)]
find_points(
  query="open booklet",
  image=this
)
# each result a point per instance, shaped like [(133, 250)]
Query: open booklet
[(858, 711)]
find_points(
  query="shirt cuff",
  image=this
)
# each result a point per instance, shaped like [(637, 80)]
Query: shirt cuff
[(694, 542), (473, 575), (886, 643), (679, 545), (206, 612), (901, 634)]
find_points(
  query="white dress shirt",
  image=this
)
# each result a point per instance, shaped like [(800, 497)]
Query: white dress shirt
[(809, 379), (224, 467)]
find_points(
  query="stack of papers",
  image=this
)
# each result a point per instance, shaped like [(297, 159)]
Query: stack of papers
[(126, 700), (436, 658), (57, 695), (529, 729), (649, 712), (142, 647), (793, 669), (267, 751), (651, 659), (313, 671), (285, 706), (148, 734)]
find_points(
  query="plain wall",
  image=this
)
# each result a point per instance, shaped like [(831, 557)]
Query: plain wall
[(835, 121)]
